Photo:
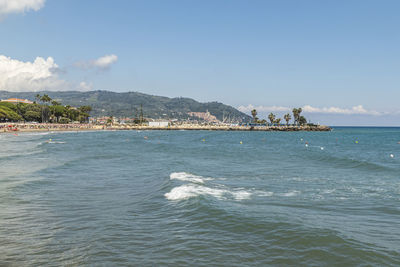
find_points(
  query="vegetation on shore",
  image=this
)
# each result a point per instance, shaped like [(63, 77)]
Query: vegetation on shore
[(128, 104), (44, 110), (297, 117)]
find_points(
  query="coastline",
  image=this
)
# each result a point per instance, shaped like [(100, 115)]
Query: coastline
[(48, 127)]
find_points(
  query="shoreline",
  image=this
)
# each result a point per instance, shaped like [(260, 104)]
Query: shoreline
[(49, 127)]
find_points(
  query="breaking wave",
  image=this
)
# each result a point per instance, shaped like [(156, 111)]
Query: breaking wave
[(188, 177), (192, 190), (196, 188)]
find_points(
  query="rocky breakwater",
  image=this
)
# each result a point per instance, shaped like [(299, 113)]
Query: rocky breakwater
[(189, 127)]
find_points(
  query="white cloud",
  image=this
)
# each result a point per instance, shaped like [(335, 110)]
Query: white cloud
[(101, 63), (250, 107), (356, 110), (360, 110), (84, 86), (106, 61), (20, 6), (41, 74)]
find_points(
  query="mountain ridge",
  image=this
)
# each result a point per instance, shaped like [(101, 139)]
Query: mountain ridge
[(129, 104)]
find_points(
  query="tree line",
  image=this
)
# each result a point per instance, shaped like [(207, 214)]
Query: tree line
[(297, 117), (44, 109)]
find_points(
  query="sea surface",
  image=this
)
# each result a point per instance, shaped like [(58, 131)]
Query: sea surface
[(200, 198)]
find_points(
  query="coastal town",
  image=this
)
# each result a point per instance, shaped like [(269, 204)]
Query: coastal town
[(46, 114)]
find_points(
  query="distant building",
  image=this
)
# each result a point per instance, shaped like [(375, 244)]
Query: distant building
[(206, 116), (17, 100), (100, 120), (158, 123)]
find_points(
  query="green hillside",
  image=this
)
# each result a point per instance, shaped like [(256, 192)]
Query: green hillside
[(107, 103)]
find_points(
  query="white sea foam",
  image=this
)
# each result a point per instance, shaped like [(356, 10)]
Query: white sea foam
[(328, 191), (291, 193), (196, 188), (34, 134), (188, 177), (265, 194), (299, 179), (240, 195), (193, 190), (353, 189)]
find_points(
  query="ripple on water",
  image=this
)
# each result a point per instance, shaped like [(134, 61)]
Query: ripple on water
[(113, 198)]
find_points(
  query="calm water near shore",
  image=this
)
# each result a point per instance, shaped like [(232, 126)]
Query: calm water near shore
[(184, 198)]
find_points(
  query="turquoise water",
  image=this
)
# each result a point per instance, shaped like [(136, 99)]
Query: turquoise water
[(118, 198)]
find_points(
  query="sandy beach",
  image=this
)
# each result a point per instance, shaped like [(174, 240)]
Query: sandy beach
[(43, 127)]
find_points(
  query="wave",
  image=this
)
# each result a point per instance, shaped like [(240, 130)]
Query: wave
[(196, 188), (348, 162), (328, 191), (16, 151), (291, 193), (11, 156), (188, 177), (34, 134), (193, 190), (264, 194)]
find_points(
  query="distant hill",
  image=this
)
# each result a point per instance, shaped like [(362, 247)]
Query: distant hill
[(107, 103)]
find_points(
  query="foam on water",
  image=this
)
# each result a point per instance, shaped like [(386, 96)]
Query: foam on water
[(264, 194), (291, 193), (328, 191), (34, 134), (193, 190), (188, 177), (197, 188), (240, 195)]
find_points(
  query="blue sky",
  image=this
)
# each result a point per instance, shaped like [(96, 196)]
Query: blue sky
[(340, 60)]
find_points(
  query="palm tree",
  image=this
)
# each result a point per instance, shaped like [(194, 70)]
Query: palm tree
[(296, 114), (38, 98), (45, 109), (271, 117), (302, 120), (55, 103), (287, 118), (254, 114), (45, 98)]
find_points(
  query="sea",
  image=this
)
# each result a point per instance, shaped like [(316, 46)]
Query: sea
[(200, 198)]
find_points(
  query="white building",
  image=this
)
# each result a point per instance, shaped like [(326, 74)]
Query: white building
[(158, 123)]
